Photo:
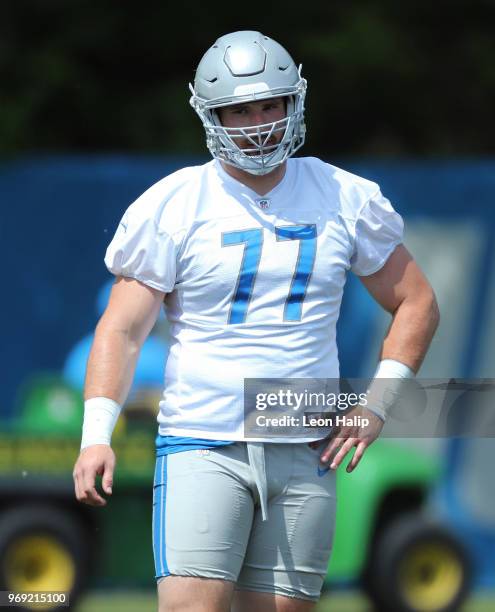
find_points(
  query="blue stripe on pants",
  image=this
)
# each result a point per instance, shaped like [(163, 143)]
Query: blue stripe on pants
[(159, 510)]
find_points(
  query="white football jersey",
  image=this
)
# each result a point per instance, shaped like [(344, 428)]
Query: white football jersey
[(254, 283)]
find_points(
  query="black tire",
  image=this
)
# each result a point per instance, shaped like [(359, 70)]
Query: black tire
[(36, 541), (417, 566)]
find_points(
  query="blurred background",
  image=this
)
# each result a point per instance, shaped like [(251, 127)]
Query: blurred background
[(93, 110)]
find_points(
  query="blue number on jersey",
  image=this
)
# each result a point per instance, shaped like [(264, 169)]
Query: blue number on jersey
[(253, 240), (306, 234)]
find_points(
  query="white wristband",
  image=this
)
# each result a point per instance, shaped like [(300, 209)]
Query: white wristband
[(100, 417), (382, 394)]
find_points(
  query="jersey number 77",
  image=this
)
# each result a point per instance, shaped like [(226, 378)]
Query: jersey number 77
[(253, 243)]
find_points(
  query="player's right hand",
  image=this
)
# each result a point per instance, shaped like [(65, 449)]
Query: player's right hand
[(98, 459)]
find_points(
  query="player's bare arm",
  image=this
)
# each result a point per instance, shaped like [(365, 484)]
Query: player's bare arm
[(129, 317), (401, 288)]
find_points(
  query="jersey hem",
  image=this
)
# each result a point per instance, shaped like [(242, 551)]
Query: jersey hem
[(234, 437)]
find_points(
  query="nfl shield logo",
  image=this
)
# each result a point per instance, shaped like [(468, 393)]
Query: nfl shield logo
[(264, 204)]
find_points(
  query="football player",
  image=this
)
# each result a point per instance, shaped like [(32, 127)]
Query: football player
[(249, 255)]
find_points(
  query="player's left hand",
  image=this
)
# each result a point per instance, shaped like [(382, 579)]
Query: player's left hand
[(347, 437)]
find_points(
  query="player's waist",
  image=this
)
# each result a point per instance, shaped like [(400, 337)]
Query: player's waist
[(245, 342), (215, 328)]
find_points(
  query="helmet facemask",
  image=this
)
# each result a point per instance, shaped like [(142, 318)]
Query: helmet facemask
[(261, 155)]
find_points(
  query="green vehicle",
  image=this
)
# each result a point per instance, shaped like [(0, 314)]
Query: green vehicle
[(49, 541)]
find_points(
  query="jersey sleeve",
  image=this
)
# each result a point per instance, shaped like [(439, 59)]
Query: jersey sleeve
[(378, 230), (142, 251)]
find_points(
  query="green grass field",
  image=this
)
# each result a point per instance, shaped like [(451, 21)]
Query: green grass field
[(339, 602)]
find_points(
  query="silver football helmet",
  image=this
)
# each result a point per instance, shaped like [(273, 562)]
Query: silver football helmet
[(245, 67)]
